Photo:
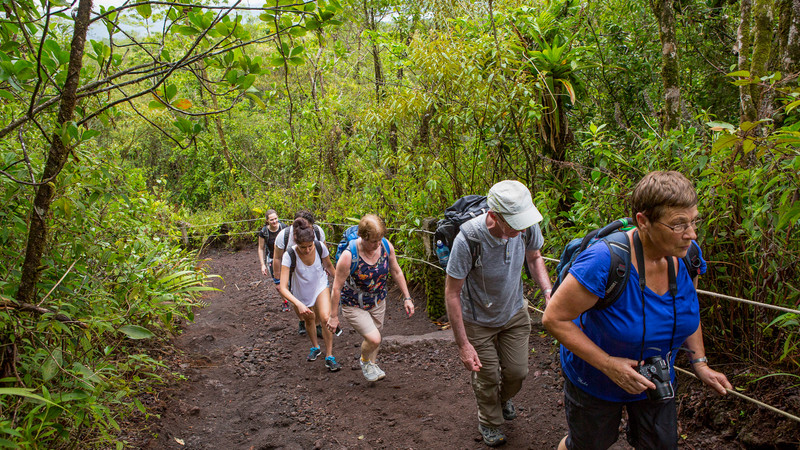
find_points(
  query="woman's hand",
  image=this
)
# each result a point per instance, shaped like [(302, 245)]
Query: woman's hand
[(333, 323), (408, 304), (304, 312), (716, 380), (622, 371)]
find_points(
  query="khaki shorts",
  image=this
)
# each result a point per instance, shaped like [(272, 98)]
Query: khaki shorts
[(365, 322)]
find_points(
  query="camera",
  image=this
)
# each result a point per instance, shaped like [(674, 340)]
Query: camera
[(656, 370)]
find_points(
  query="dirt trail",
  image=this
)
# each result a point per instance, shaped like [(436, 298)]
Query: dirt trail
[(249, 386)]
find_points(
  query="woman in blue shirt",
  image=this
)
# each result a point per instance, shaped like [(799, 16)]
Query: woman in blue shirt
[(601, 349)]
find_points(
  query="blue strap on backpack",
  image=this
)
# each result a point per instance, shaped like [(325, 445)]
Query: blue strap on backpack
[(348, 242), (353, 248)]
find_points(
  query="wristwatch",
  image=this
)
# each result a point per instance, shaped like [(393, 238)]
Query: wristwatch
[(699, 360)]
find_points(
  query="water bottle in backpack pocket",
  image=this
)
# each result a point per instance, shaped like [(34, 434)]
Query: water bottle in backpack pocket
[(443, 253)]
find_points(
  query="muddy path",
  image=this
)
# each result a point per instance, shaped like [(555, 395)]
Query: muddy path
[(247, 384)]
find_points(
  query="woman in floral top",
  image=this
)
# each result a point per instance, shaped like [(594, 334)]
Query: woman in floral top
[(361, 289)]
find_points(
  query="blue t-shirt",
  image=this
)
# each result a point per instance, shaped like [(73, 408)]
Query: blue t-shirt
[(618, 328)]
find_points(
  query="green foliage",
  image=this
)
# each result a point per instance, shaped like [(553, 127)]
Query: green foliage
[(114, 274)]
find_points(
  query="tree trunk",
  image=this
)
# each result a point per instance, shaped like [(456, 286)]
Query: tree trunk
[(790, 57), (56, 157), (217, 120), (380, 88), (665, 15), (762, 41), (746, 105)]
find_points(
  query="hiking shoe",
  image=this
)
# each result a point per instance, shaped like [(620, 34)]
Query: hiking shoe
[(368, 369), (509, 411), (493, 437), (381, 373), (301, 329), (312, 355), (319, 331), (331, 364)]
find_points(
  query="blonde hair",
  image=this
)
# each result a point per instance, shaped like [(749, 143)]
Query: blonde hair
[(371, 227), (660, 190)]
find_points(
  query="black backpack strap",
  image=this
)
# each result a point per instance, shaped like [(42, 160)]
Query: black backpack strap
[(527, 238), (692, 260), (619, 270), (317, 232), (286, 238), (475, 251), (292, 264), (318, 245)]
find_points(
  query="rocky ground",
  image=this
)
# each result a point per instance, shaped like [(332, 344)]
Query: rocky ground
[(247, 385)]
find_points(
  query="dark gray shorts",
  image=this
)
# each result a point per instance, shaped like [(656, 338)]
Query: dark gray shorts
[(594, 423)]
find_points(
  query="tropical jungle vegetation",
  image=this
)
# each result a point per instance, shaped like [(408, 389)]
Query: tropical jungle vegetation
[(122, 120)]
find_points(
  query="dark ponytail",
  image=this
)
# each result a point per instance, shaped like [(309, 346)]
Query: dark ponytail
[(303, 230)]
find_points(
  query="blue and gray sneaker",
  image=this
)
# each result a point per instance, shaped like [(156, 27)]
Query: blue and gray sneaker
[(331, 364), (312, 355)]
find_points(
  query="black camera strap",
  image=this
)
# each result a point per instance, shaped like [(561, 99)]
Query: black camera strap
[(673, 290)]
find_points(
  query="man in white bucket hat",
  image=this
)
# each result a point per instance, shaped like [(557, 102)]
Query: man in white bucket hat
[(483, 295)]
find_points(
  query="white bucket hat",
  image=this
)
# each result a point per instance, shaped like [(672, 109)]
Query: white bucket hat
[(513, 201)]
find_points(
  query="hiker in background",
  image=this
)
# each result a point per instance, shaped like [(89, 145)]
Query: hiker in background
[(604, 352), (485, 305), (361, 289), (266, 243), (304, 283), (284, 240)]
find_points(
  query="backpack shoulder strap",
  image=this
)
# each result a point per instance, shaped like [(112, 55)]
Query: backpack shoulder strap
[(286, 238), (692, 260), (385, 243), (293, 259), (292, 264), (317, 232), (619, 270), (318, 245), (474, 250), (353, 247)]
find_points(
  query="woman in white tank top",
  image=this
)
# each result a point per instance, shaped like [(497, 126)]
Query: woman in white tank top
[(304, 284)]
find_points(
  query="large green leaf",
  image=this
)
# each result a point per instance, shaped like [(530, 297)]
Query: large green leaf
[(51, 365), (144, 10), (136, 332), (27, 393)]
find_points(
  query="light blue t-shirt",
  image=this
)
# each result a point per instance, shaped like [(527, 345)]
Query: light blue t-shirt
[(618, 328)]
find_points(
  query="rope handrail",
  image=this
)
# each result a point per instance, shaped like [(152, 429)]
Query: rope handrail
[(749, 302), (388, 228), (221, 223), (317, 223), (749, 399), (699, 291)]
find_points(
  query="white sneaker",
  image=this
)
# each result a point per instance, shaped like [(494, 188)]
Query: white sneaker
[(368, 369), (381, 373)]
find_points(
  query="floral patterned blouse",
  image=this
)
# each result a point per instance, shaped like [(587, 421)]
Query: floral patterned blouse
[(367, 281)]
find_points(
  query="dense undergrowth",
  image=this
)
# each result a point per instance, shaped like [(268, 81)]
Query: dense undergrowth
[(114, 274)]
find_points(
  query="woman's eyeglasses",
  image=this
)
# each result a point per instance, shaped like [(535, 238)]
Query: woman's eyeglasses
[(682, 227)]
